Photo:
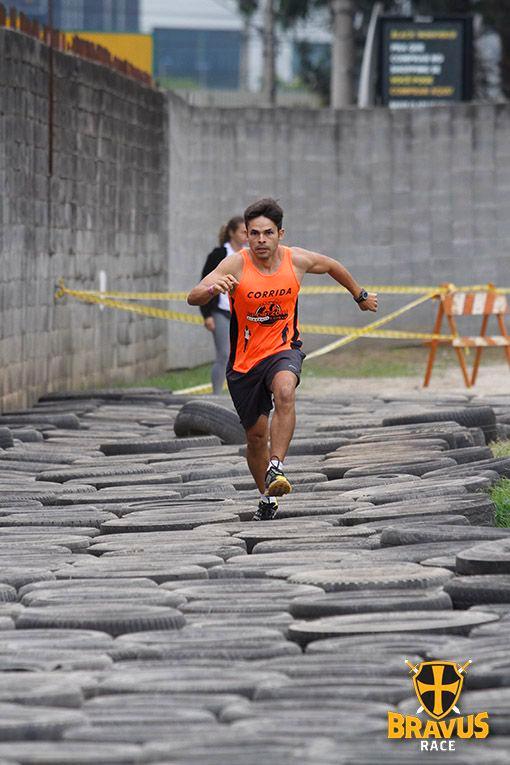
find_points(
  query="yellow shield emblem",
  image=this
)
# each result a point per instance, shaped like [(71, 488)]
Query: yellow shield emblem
[(438, 685)]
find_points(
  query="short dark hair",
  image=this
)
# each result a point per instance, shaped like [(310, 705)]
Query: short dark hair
[(267, 207)]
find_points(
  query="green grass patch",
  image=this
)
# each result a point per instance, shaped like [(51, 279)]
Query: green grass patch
[(500, 495), (366, 359), (501, 448), (363, 368), (176, 379)]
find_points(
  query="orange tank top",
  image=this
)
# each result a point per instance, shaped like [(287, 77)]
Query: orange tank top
[(264, 313)]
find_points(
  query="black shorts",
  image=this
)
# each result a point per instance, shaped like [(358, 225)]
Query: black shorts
[(251, 391)]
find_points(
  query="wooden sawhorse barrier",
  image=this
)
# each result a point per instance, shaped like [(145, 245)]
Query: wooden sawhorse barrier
[(480, 303)]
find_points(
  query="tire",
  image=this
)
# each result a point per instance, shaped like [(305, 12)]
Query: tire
[(366, 601), (412, 535), (486, 558), (19, 723), (54, 660), (471, 417), (144, 522), (34, 689), (470, 454), (438, 622), (409, 468), (466, 591), (478, 509), (169, 573), (366, 576), (80, 518), (315, 445), (7, 594), (17, 576), (500, 465), (417, 553), (179, 680), (221, 589), (63, 421), (98, 597), (76, 473), (6, 441), (151, 447), (205, 417), (27, 435), (70, 753), (114, 620)]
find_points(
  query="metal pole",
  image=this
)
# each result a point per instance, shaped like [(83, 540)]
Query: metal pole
[(342, 54), (365, 87), (269, 78), (50, 90), (244, 67)]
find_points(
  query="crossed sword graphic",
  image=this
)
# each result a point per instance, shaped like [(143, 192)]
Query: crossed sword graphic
[(459, 669)]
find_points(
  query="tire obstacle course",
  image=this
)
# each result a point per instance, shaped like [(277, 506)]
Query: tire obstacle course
[(145, 619)]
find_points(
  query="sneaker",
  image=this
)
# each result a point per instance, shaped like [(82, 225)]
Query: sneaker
[(276, 483), (266, 511)]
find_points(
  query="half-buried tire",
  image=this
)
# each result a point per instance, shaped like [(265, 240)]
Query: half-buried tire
[(207, 418), (470, 416)]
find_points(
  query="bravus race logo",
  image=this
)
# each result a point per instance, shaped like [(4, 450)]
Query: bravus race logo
[(438, 685)]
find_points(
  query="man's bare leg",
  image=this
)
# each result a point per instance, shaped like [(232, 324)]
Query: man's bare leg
[(257, 452), (284, 417)]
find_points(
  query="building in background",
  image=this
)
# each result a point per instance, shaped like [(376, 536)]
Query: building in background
[(197, 44), (90, 15), (36, 9), (205, 44), (197, 58)]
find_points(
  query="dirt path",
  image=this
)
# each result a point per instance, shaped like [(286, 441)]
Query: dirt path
[(493, 379)]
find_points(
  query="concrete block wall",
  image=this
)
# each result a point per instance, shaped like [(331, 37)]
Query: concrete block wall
[(141, 183), (400, 197), (103, 208)]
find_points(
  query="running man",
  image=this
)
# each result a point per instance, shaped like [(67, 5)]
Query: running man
[(263, 282)]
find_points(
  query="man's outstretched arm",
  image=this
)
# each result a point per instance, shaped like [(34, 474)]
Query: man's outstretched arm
[(309, 262), (224, 279)]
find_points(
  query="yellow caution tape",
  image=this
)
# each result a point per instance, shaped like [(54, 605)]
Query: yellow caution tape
[(205, 388), (127, 295), (371, 327), (317, 329), (389, 334), (350, 333), (383, 289), (144, 310)]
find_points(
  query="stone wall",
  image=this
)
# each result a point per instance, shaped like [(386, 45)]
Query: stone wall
[(400, 197), (103, 208)]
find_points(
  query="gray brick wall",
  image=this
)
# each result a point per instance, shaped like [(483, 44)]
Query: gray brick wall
[(104, 208), (400, 197)]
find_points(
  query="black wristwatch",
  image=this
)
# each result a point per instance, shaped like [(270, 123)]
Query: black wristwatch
[(361, 297)]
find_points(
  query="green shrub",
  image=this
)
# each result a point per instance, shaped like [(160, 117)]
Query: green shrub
[(500, 495)]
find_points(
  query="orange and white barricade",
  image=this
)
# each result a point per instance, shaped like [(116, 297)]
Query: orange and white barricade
[(455, 303)]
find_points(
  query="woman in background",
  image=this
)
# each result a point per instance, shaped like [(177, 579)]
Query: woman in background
[(232, 237)]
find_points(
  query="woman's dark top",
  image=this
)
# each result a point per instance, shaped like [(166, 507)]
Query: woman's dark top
[(213, 260)]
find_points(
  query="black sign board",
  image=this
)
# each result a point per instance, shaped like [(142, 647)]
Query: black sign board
[(425, 61)]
